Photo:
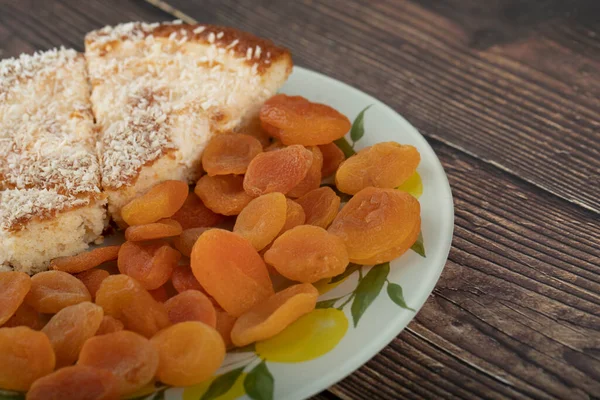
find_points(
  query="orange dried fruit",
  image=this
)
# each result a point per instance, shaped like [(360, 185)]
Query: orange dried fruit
[(86, 260), (320, 206), (77, 381), (262, 219), (268, 318), (162, 201), (378, 225), (230, 270), (92, 279), (70, 328), (223, 194), (51, 291), (151, 264), (277, 171), (276, 145), (333, 156), (194, 214), (183, 279), (294, 216), (383, 165), (14, 286), (308, 254), (26, 316), (160, 294), (130, 357), (125, 299), (109, 325), (25, 356), (186, 240), (295, 120), (312, 180), (191, 305), (190, 353), (225, 324), (229, 154), (253, 128), (156, 230)]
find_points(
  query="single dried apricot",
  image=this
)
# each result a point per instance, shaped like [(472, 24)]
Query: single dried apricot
[(277, 171), (162, 201), (160, 294), (262, 219), (383, 165), (51, 291), (225, 324), (295, 120), (151, 264), (183, 279), (25, 356), (333, 156), (223, 194), (307, 254), (268, 318), (156, 230), (230, 270), (294, 216), (125, 299), (252, 127), (320, 206), (131, 358), (77, 381), (312, 180), (70, 328), (191, 305), (194, 214), (378, 225), (109, 325), (229, 154), (86, 260), (14, 286), (92, 279), (190, 353), (186, 240), (26, 316)]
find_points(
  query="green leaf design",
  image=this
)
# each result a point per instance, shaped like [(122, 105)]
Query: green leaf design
[(395, 292), (419, 247), (350, 269), (368, 289), (259, 383), (358, 126), (327, 303), (9, 395), (222, 384), (343, 144)]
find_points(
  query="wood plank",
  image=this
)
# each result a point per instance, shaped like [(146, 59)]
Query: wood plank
[(513, 83)]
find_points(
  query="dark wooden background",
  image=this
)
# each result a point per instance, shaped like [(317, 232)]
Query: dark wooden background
[(508, 94)]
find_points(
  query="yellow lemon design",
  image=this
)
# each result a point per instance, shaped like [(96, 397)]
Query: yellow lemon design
[(311, 336), (413, 185), (196, 392)]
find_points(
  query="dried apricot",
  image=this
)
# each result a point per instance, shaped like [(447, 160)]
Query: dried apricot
[(333, 156), (183, 279), (131, 358), (383, 165), (320, 206), (312, 180), (51, 291), (26, 316), (151, 264), (14, 286), (276, 145), (294, 216), (77, 381), (190, 353), (268, 318), (225, 324), (191, 305), (307, 254), (86, 260), (194, 214), (160, 294), (252, 127), (277, 170), (295, 120), (229, 154), (186, 240), (223, 194), (125, 299), (25, 356), (262, 219), (156, 230), (70, 328), (109, 325), (92, 279), (230, 270), (162, 201), (378, 225)]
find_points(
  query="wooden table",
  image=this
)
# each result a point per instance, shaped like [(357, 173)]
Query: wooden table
[(508, 94)]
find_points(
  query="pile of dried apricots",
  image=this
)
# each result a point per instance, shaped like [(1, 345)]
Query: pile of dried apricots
[(183, 290)]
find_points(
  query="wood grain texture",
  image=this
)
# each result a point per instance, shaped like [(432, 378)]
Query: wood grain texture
[(512, 82)]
